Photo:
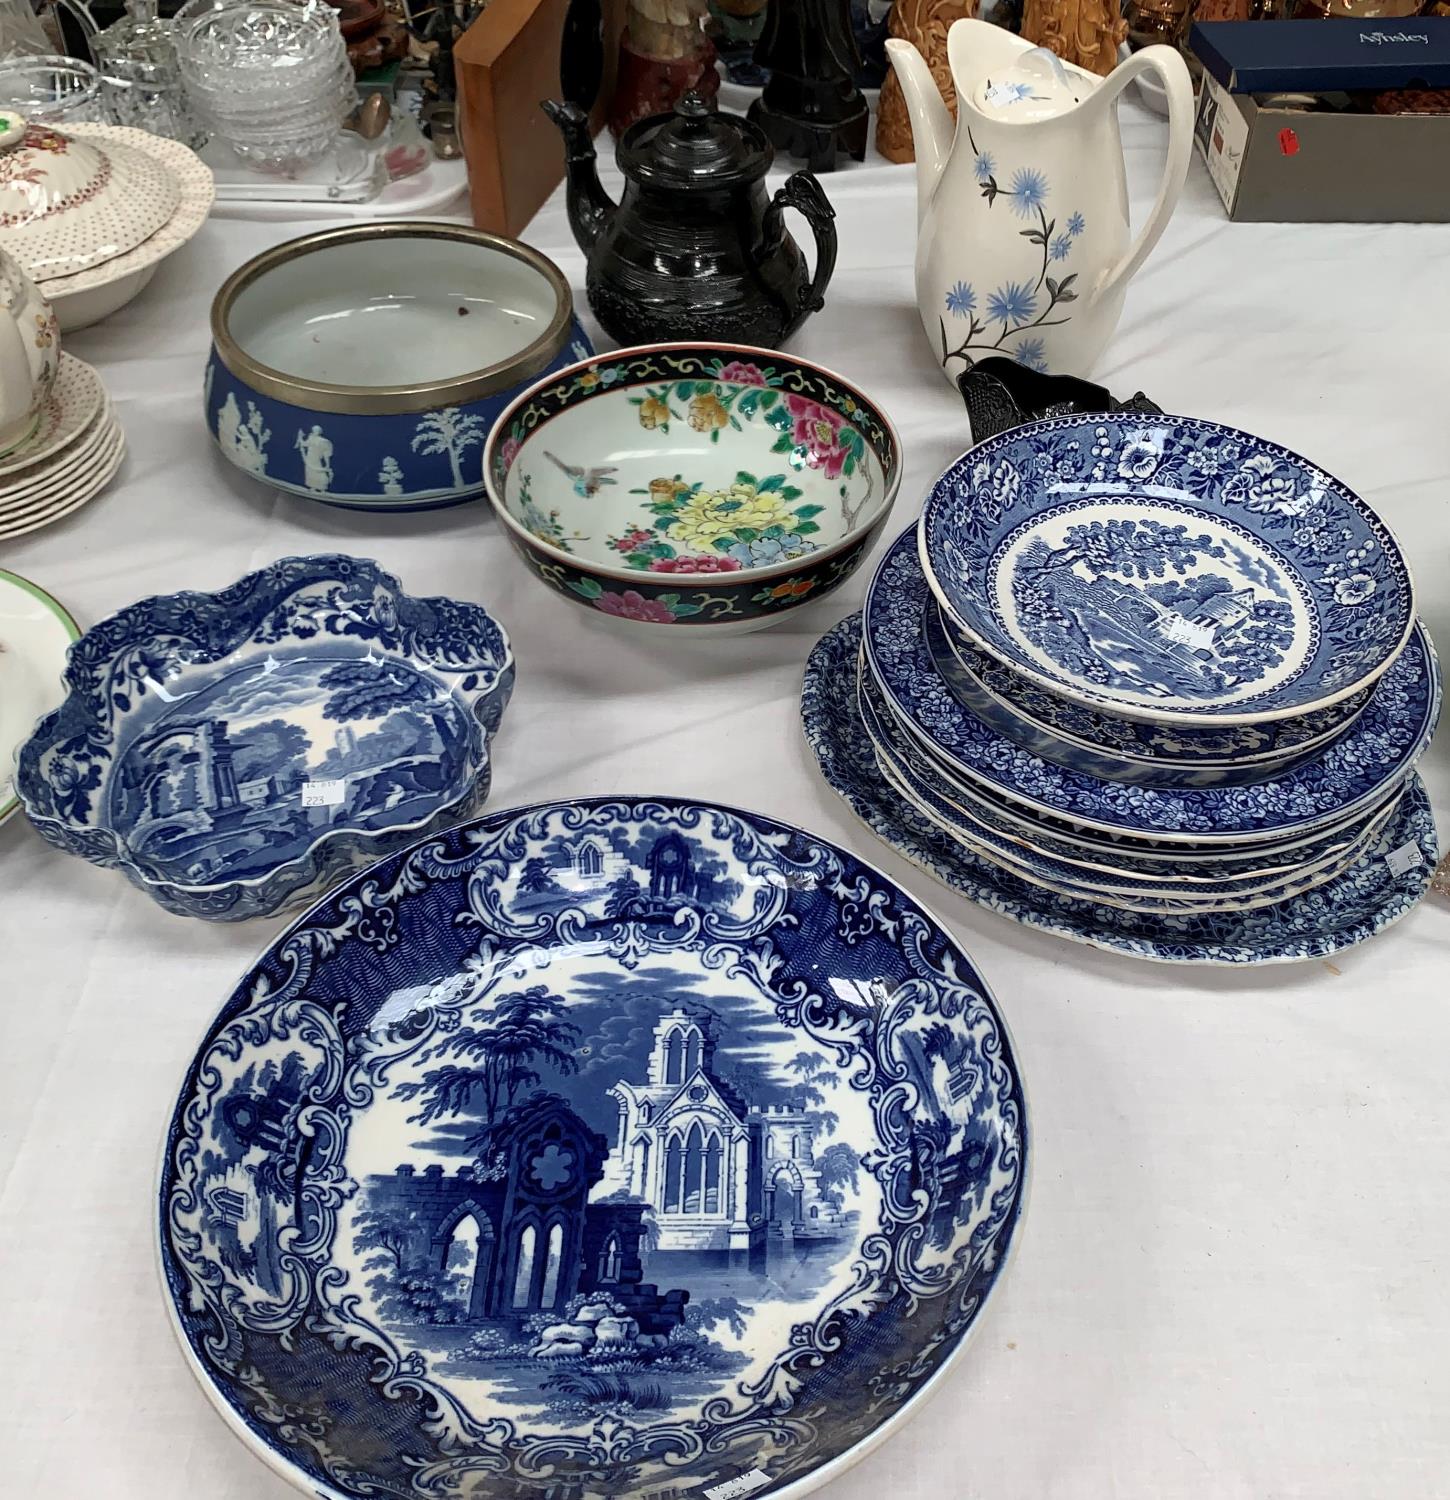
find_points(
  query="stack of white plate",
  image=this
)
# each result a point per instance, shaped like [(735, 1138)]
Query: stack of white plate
[(68, 460), (1152, 683)]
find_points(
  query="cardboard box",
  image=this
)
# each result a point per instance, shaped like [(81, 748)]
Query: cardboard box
[(507, 62), (1318, 166)]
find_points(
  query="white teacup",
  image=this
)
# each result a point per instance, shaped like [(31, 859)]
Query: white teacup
[(29, 351)]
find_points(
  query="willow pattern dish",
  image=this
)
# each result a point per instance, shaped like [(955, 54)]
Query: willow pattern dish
[(1069, 879), (1352, 774), (1167, 569), (912, 778), (85, 297), (233, 753), (364, 366), (659, 1145), (1364, 901), (1101, 744), (712, 486), (35, 634)]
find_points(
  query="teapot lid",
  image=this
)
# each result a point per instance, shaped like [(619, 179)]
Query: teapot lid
[(1033, 86), (694, 146)]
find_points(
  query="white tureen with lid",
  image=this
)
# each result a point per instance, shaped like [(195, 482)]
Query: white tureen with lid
[(68, 205)]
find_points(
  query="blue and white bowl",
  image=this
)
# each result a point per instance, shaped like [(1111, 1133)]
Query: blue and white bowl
[(1166, 569), (1173, 756), (364, 366), (659, 1148), (235, 753)]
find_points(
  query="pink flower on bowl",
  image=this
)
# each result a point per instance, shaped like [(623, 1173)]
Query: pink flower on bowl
[(632, 605), (702, 564), (632, 539), (737, 372), (818, 431), (508, 451)]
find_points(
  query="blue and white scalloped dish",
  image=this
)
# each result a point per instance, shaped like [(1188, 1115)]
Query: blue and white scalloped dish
[(606, 1148), (233, 753), (1169, 569)]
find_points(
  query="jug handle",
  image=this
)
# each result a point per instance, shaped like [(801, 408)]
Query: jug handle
[(802, 192), (1173, 73)]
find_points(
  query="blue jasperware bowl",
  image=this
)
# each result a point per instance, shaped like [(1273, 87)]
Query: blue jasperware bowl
[(364, 366), (614, 1148), (235, 753), (1167, 569)]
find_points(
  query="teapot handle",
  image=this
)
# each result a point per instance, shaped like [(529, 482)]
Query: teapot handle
[(1173, 73), (803, 193)]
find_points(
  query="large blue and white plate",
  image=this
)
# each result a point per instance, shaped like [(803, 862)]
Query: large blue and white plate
[(911, 778), (1086, 739), (1350, 777), (601, 1149), (234, 753), (1362, 902), (1166, 568)]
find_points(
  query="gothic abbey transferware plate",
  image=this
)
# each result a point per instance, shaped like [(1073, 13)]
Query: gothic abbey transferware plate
[(233, 753), (1364, 901), (1348, 778), (1166, 568), (601, 1149)]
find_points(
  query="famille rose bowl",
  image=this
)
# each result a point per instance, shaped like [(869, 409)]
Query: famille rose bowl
[(1166, 569), (364, 366), (614, 1148), (709, 486), (235, 753)]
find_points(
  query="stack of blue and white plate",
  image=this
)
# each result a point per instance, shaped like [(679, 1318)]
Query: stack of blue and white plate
[(1149, 683)]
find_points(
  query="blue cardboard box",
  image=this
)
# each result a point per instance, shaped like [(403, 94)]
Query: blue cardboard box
[(1285, 160)]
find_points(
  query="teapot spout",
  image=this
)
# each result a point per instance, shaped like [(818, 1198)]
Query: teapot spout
[(932, 126), (590, 207)]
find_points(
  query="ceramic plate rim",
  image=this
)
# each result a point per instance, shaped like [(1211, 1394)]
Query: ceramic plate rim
[(18, 459), (1141, 712), (9, 797), (83, 497)]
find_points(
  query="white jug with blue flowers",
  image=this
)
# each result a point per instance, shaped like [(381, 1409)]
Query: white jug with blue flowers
[(1024, 247)]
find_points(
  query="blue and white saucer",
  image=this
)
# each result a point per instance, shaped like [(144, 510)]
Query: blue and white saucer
[(1362, 902), (1352, 775), (605, 1148), (1166, 568)]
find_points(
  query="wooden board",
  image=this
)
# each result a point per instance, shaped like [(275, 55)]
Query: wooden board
[(508, 61)]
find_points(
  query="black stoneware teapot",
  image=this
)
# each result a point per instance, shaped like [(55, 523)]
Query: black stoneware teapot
[(694, 250)]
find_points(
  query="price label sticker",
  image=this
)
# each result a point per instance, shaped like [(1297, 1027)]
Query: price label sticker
[(1404, 859), (324, 793), (741, 1485)]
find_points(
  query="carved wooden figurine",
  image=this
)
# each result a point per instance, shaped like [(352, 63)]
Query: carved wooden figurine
[(1085, 32), (923, 23)]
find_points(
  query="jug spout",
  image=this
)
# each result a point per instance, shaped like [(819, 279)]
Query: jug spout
[(932, 126), (590, 207)]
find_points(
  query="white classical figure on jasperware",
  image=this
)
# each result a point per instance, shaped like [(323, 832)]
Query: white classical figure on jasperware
[(316, 451), (229, 422)]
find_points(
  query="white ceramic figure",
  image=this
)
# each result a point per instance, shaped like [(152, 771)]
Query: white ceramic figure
[(1024, 247), (29, 353), (316, 451), (390, 476)]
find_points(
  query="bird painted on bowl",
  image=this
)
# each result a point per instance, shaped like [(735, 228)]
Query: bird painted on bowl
[(586, 482)]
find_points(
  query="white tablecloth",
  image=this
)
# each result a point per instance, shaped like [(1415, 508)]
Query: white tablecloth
[(1232, 1279)]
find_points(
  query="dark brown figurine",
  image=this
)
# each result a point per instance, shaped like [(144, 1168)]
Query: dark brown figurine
[(811, 107)]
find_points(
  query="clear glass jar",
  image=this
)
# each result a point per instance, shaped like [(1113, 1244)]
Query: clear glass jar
[(141, 82), (51, 90)]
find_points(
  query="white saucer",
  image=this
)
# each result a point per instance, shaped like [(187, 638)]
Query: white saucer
[(79, 493), (35, 634), (77, 397), (63, 469)]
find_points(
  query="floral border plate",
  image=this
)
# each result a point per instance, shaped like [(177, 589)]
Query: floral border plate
[(1384, 742), (612, 1148), (1364, 901), (1167, 568), (234, 752)]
